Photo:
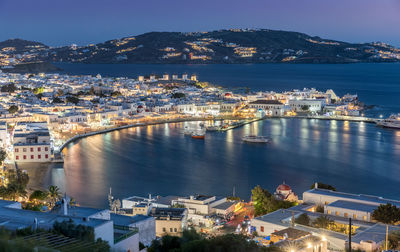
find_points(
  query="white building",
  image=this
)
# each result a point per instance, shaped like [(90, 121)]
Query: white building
[(355, 206), (270, 107), (119, 234), (306, 105), (32, 145)]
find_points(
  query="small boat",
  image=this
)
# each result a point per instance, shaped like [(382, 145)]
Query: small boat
[(212, 128), (198, 135), (392, 122), (256, 139)]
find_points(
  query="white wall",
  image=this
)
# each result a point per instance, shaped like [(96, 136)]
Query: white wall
[(131, 243), (105, 232)]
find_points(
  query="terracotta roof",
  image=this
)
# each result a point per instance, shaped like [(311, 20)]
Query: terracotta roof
[(283, 187)]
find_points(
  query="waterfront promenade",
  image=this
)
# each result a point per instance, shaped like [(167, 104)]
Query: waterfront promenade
[(245, 121)]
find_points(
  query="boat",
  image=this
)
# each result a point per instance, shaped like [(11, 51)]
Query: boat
[(256, 139), (392, 122), (187, 132), (212, 128), (198, 135)]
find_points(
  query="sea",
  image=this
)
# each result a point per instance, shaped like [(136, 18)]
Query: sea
[(354, 157)]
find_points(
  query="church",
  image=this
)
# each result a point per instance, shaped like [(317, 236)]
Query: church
[(284, 192)]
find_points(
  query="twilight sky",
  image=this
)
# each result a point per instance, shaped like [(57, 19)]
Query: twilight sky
[(62, 22)]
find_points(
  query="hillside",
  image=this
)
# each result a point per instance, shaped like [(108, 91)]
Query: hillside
[(223, 46)]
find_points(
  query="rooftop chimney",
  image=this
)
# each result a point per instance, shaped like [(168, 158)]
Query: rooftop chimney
[(64, 206)]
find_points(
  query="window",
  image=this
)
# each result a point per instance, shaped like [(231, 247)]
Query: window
[(337, 213), (262, 228), (175, 230), (47, 156), (365, 218), (170, 230), (39, 149), (39, 156), (17, 157), (355, 216), (31, 149), (164, 229), (24, 149), (32, 157), (46, 148), (346, 215), (24, 157), (16, 150), (329, 211)]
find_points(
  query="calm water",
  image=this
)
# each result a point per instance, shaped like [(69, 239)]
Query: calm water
[(355, 157)]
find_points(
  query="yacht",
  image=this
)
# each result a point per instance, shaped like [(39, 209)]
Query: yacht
[(256, 139), (392, 122), (212, 128)]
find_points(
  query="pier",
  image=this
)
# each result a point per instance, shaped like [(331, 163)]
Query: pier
[(240, 124)]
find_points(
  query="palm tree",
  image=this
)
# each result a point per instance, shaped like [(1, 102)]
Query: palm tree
[(323, 221), (387, 214), (54, 194)]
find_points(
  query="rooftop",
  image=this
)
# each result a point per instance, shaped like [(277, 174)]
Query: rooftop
[(372, 199), (291, 233), (272, 102), (225, 205), (353, 205)]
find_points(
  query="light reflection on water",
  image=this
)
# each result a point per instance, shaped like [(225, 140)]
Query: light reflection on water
[(159, 159)]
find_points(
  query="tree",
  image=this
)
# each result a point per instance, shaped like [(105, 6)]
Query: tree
[(305, 107), (264, 202), (177, 205), (13, 109), (323, 221), (38, 90), (54, 194), (178, 95), (10, 88), (3, 155), (57, 100), (192, 241), (387, 214), (116, 94), (303, 219), (60, 92), (69, 229), (320, 209), (394, 240), (91, 91), (73, 99), (38, 195), (39, 96), (323, 186), (261, 200)]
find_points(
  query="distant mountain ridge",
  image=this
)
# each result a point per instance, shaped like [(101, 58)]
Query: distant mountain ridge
[(223, 46)]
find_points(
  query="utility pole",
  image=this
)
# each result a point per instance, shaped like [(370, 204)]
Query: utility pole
[(349, 234)]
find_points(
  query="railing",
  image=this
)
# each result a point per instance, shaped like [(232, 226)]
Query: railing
[(130, 231)]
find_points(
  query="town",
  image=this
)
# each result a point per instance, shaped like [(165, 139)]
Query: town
[(323, 220), (42, 113)]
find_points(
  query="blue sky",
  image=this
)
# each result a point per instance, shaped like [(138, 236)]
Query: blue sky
[(61, 22)]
